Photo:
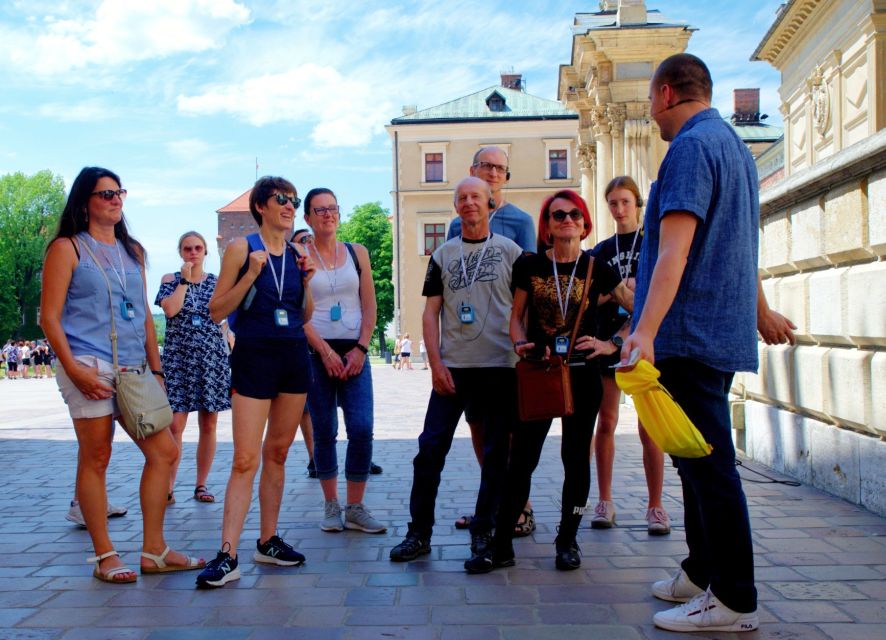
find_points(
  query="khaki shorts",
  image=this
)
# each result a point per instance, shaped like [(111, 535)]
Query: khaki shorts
[(79, 406)]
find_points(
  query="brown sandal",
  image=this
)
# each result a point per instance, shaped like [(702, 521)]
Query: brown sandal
[(201, 494)]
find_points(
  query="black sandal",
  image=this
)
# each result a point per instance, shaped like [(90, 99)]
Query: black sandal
[(201, 494), (525, 528)]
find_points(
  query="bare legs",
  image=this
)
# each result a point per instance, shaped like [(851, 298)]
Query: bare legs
[(207, 421), (249, 418), (604, 448)]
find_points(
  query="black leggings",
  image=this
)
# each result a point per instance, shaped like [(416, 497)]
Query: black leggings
[(526, 445)]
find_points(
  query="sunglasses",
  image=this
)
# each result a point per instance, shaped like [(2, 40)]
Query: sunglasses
[(108, 194), (326, 211), (283, 199), (306, 238), (560, 216)]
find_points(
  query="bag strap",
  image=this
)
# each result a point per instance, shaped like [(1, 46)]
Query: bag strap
[(589, 279), (85, 245), (353, 253)]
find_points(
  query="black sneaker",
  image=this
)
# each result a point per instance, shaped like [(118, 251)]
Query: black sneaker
[(412, 547), (374, 469), (568, 555), (312, 469), (481, 543), (275, 551), (219, 572)]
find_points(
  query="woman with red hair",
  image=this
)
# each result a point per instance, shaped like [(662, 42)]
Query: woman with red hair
[(548, 288)]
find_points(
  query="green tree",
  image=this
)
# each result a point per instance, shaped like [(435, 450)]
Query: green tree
[(29, 210), (369, 225)]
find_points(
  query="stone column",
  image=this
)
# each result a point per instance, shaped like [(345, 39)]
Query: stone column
[(616, 114), (587, 164), (603, 221)]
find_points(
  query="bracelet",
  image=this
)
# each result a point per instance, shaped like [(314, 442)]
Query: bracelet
[(362, 348), (328, 353), (183, 281), (158, 373)]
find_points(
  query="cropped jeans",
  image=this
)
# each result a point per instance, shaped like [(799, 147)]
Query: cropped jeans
[(354, 396)]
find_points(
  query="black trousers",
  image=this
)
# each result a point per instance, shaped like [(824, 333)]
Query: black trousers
[(527, 441)]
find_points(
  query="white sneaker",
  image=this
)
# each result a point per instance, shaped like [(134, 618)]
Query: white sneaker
[(75, 515), (358, 518), (604, 515), (705, 613), (677, 589), (332, 516), (657, 522)]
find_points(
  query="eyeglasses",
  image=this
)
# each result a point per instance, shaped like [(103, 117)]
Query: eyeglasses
[(331, 210), (560, 216), (108, 194), (489, 166), (306, 238), (282, 199)]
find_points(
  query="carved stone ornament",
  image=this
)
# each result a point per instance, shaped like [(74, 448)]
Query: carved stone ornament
[(600, 120), (587, 157), (616, 114), (821, 102)]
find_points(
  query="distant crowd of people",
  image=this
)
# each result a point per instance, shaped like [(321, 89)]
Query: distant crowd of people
[(25, 359), (679, 289)]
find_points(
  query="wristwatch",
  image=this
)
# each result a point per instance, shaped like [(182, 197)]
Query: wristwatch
[(182, 280), (617, 341)]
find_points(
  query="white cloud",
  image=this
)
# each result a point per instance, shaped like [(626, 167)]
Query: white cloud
[(346, 111), (120, 31), (86, 111)]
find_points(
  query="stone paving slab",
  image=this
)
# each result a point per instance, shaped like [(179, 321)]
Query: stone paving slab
[(820, 561)]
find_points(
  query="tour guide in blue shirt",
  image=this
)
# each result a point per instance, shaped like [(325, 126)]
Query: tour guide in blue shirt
[(695, 318)]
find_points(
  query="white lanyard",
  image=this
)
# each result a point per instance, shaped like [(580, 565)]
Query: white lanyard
[(464, 268), (563, 303), (121, 280), (624, 273), (278, 284), (333, 282)]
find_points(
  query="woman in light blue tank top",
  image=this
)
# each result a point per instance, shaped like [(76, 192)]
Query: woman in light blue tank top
[(75, 317)]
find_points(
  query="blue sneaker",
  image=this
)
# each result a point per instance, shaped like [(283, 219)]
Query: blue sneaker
[(219, 572), (275, 551)]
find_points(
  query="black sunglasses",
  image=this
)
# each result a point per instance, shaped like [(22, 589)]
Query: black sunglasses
[(283, 199), (306, 238), (560, 216), (108, 194)]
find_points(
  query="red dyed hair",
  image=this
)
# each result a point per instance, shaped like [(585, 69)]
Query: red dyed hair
[(544, 217)]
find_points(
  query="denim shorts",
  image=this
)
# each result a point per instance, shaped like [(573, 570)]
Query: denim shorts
[(79, 406), (262, 368)]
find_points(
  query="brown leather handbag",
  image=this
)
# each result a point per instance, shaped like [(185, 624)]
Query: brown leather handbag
[(544, 387)]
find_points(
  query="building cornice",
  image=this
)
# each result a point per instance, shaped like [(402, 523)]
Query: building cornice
[(789, 21), (860, 159)]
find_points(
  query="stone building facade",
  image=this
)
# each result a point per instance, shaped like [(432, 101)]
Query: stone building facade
[(817, 410), (433, 149)]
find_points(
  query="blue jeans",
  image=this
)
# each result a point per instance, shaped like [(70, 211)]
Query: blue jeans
[(354, 396), (492, 392), (718, 528)]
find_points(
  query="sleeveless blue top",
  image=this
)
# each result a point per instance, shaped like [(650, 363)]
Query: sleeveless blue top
[(258, 320), (85, 316)]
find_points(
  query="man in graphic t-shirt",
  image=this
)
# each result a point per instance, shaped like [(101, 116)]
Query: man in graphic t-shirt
[(465, 329)]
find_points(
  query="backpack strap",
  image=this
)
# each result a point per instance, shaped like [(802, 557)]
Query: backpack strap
[(353, 253)]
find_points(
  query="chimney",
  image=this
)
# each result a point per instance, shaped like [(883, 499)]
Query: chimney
[(746, 100), (511, 80), (409, 109)]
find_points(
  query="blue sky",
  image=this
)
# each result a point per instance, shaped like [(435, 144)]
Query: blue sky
[(180, 96)]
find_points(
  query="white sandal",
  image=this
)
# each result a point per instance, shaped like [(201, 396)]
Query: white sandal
[(162, 567), (112, 573)]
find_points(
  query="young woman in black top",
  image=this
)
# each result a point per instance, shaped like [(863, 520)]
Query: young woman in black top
[(620, 252)]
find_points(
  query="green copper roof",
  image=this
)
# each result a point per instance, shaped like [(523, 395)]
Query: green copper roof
[(517, 106), (757, 132)]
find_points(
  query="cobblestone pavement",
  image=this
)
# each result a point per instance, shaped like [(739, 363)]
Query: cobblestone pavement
[(821, 562)]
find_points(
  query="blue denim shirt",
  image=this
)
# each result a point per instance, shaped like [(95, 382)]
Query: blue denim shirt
[(710, 173), (509, 221)]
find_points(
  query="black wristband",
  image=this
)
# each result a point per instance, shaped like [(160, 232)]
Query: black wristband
[(181, 280), (159, 373), (362, 348)]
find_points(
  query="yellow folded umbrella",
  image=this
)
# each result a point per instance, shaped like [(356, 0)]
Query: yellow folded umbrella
[(665, 422)]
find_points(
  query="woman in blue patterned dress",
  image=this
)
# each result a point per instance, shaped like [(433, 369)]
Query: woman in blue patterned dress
[(195, 357)]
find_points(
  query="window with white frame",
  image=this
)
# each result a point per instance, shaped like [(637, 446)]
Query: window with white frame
[(434, 236), (433, 162), (557, 164), (433, 167), (558, 158)]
